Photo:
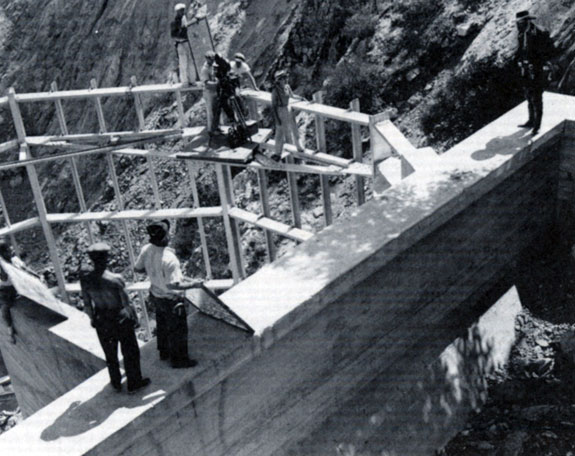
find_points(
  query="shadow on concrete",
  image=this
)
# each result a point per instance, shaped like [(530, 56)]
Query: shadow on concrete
[(504, 145), (80, 417)]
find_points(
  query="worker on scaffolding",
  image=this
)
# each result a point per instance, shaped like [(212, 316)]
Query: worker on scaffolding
[(533, 53), (107, 304), (227, 88), (167, 284), (210, 82), (179, 33), (285, 122), (242, 70)]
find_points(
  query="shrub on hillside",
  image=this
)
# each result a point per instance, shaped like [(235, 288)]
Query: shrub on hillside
[(471, 99)]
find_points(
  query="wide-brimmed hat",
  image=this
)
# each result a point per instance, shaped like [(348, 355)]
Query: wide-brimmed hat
[(158, 229), (239, 56), (523, 16), (98, 249)]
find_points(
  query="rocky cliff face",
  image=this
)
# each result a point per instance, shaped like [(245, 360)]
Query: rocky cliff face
[(441, 69)]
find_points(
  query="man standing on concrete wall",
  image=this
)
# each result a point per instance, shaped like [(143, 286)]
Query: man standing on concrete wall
[(167, 283), (179, 33), (533, 54), (108, 306)]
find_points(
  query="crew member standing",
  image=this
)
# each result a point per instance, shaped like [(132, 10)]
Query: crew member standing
[(533, 54), (210, 82), (285, 123), (166, 293), (108, 305), (179, 33), (240, 68)]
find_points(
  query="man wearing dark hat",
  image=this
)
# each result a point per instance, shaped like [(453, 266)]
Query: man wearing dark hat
[(166, 292), (108, 305), (533, 54)]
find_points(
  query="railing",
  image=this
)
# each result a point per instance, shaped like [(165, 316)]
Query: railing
[(323, 164)]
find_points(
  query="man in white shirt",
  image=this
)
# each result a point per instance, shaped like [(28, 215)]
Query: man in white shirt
[(240, 68), (166, 293)]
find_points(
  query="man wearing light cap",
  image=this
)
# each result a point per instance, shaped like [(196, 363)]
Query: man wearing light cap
[(533, 53), (208, 78), (108, 306), (179, 33), (167, 283), (240, 68)]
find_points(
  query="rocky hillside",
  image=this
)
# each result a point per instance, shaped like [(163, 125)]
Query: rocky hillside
[(441, 69)]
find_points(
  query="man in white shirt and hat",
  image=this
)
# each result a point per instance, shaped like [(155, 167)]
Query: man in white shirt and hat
[(179, 33)]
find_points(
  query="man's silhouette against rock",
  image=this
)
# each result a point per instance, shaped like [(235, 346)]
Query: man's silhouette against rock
[(533, 54), (108, 305)]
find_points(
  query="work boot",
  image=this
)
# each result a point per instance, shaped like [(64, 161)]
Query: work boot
[(535, 131), (527, 124), (141, 384), (185, 363)]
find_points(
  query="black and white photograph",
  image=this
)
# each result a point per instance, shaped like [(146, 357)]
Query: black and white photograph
[(287, 228)]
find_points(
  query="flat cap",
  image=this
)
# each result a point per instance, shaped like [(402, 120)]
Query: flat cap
[(280, 74), (523, 15), (179, 6), (98, 247)]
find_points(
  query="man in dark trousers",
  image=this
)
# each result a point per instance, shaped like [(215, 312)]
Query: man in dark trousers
[(533, 54), (108, 305), (167, 283)]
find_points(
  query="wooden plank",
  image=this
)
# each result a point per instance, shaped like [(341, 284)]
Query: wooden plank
[(192, 171), (20, 226), (7, 221), (103, 138), (230, 197), (322, 148), (220, 284), (136, 214), (181, 112), (329, 112), (269, 224), (72, 160), (293, 194), (105, 92), (357, 153), (99, 110), (149, 160), (37, 192), (266, 210), (232, 241), (9, 145), (239, 155)]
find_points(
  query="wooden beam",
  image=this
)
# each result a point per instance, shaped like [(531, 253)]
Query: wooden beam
[(144, 286), (230, 197), (329, 112), (357, 153), (181, 111), (266, 210), (149, 160), (9, 145), (105, 92), (322, 148), (9, 227), (192, 172), (72, 160), (37, 192), (269, 224), (231, 237), (136, 214), (20, 226), (293, 194)]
